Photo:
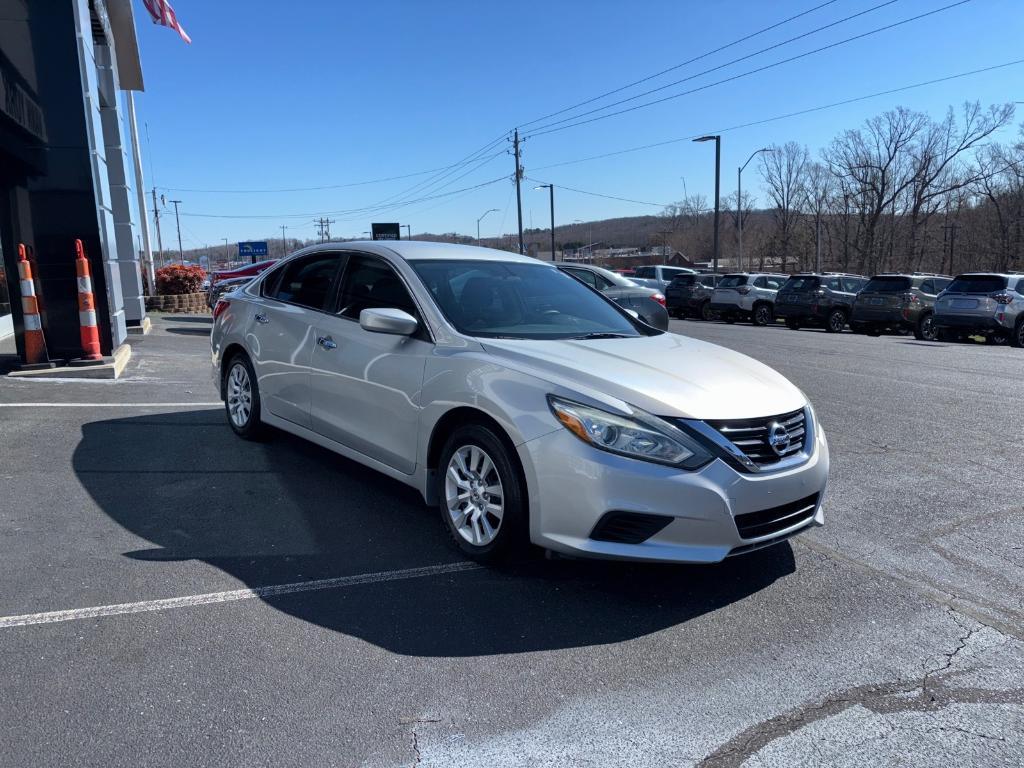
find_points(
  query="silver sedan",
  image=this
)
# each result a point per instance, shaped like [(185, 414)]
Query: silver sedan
[(523, 405)]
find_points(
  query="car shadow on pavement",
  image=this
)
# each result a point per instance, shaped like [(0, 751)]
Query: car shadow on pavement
[(287, 511), (189, 331)]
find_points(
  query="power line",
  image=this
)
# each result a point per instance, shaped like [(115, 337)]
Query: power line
[(720, 66), (608, 197), (680, 65), (556, 127), (797, 113), (366, 209), (305, 189)]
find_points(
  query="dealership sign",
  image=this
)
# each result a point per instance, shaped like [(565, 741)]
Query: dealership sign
[(385, 231), (252, 249)]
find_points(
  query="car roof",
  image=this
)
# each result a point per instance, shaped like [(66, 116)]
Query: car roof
[(419, 250)]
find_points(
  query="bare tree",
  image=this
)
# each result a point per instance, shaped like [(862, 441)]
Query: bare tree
[(783, 171)]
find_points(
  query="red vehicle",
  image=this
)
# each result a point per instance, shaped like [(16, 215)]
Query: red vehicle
[(249, 270), (625, 272)]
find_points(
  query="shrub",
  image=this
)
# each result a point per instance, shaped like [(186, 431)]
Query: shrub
[(175, 280)]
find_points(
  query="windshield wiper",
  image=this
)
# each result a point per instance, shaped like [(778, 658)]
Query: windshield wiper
[(602, 335)]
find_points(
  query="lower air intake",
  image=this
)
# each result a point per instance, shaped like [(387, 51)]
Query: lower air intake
[(628, 527)]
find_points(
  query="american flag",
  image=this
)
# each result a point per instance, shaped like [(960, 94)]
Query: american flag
[(164, 15)]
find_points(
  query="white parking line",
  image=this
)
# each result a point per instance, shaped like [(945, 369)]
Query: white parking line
[(147, 606), (108, 405)]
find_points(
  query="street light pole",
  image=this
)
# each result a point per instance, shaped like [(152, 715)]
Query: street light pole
[(408, 231), (739, 201), (490, 210), (718, 178), (551, 189)]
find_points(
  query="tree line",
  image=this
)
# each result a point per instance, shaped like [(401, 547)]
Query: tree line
[(901, 192)]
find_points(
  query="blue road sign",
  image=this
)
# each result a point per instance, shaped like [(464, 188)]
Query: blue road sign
[(252, 249)]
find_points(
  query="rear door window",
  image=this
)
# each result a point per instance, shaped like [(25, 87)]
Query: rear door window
[(801, 283), (928, 286), (645, 272), (712, 280), (833, 284), (1020, 286), (307, 281), (585, 275), (978, 284), (772, 282), (852, 284)]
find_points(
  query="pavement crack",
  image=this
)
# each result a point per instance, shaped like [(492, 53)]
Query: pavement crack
[(414, 721)]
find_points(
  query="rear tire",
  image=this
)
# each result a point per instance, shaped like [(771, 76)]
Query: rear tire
[(836, 321), (925, 330), (874, 332), (1017, 337), (705, 312), (762, 315), (481, 496), (242, 399), (793, 325)]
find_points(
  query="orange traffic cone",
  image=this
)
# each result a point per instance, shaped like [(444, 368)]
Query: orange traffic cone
[(35, 343), (90, 333)]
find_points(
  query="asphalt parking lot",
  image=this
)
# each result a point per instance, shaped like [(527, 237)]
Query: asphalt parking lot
[(175, 596)]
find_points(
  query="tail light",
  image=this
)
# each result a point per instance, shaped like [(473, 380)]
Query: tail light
[(219, 307), (658, 297), (743, 290), (1003, 298)]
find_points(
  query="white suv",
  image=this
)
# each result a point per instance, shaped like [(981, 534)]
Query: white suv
[(747, 295)]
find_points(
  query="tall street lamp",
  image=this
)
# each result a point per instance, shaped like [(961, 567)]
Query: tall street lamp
[(491, 210), (408, 231), (718, 179), (739, 200), (551, 189)]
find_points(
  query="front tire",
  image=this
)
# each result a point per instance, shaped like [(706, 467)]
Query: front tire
[(480, 494), (793, 324), (242, 398), (706, 313)]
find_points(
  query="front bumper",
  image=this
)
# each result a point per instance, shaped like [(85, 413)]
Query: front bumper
[(572, 486)]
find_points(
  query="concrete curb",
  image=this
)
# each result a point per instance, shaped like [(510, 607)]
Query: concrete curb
[(111, 368)]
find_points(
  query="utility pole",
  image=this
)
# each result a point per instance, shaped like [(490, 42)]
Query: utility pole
[(284, 243), (519, 194), (177, 220), (817, 244), (156, 221), (664, 244), (226, 259), (324, 228), (951, 228)]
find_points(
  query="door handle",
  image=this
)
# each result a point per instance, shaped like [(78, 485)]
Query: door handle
[(261, 318), (326, 342)]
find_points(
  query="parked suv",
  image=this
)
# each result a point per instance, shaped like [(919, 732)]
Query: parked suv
[(821, 299), (690, 295), (749, 296), (983, 303), (898, 302), (658, 276)]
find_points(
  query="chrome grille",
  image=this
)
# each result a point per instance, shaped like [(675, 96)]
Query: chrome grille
[(753, 436)]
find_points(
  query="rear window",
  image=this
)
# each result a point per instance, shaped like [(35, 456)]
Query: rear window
[(893, 284), (801, 284), (644, 272), (731, 281), (977, 284)]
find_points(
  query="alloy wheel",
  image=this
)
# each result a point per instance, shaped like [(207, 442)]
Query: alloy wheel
[(836, 321), (705, 312), (763, 315), (928, 329), (239, 395), (474, 495)]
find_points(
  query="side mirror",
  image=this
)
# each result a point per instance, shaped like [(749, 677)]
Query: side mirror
[(388, 320)]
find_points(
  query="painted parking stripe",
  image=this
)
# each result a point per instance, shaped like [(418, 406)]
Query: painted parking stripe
[(111, 405), (148, 606)]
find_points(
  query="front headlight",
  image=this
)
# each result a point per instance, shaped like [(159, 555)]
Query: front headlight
[(640, 436)]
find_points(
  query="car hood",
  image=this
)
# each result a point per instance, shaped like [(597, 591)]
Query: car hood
[(666, 375)]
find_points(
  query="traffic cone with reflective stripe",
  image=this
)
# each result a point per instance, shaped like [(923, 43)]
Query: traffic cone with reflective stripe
[(35, 343), (86, 311)]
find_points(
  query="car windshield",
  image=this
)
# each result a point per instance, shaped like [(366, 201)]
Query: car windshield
[(977, 284), (801, 283), (888, 284), (731, 281), (513, 300)]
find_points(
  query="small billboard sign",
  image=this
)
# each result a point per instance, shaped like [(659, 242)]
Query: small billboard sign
[(253, 250), (386, 231)]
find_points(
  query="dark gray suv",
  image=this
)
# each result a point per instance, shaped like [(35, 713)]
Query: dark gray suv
[(690, 295), (898, 302), (818, 299)]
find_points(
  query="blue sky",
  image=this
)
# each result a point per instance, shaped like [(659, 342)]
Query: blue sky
[(275, 95)]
